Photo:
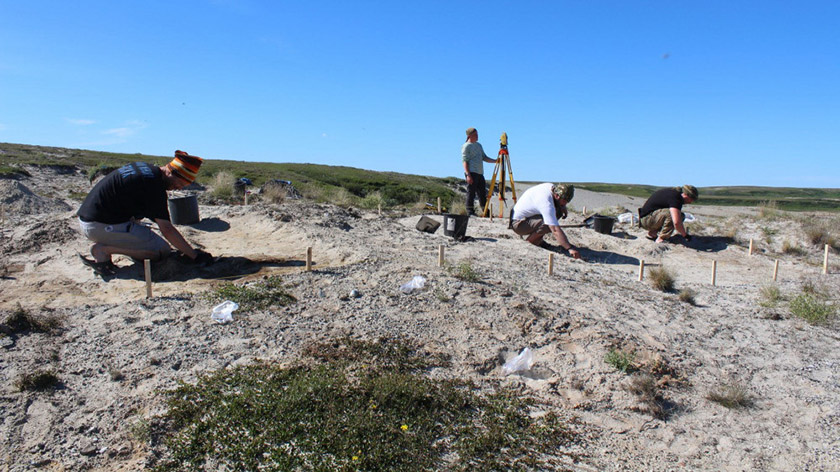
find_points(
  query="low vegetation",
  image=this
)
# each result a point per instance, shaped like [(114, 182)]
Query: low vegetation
[(661, 279), (812, 308), (649, 392), (41, 379), (394, 188), (624, 361), (687, 296), (354, 405), (769, 296), (464, 271), (258, 295), (21, 320), (732, 396)]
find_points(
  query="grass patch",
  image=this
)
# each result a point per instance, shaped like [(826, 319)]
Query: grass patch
[(732, 396), (769, 296), (792, 248), (687, 296), (820, 235), (661, 279), (647, 389), (221, 186), (464, 271), (38, 380), (624, 361), (12, 172), (355, 405), (254, 296), (21, 320), (812, 309)]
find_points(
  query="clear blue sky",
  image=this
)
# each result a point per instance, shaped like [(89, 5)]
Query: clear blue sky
[(656, 92)]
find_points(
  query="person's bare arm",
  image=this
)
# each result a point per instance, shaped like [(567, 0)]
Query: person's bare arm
[(563, 241), (676, 217), (174, 237)]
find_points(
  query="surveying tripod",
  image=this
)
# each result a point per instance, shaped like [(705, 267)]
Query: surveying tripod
[(502, 166)]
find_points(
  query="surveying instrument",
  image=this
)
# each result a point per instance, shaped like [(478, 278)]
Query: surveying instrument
[(502, 167)]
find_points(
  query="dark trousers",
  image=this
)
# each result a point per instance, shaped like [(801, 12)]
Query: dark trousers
[(477, 189)]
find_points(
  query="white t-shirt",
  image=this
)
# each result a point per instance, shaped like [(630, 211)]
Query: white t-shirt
[(537, 200)]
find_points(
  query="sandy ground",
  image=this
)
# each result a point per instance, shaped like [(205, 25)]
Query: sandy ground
[(570, 319)]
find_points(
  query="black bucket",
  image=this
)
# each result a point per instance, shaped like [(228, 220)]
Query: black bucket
[(183, 210), (455, 225), (603, 224)]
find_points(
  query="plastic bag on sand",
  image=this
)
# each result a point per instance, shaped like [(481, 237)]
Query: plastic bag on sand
[(223, 312), (688, 218), (414, 284), (628, 217), (524, 361)]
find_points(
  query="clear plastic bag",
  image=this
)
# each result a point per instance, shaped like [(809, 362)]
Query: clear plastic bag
[(414, 284), (223, 312), (524, 361), (628, 217)]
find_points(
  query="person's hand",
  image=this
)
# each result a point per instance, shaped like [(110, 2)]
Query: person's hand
[(564, 212), (469, 179), (574, 253), (202, 257)]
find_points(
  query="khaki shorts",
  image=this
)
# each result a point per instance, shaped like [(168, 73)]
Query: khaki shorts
[(530, 225), (129, 235)]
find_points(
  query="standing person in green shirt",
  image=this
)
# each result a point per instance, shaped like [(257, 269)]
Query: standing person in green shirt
[(474, 158)]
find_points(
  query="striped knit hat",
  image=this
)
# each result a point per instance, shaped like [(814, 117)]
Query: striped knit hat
[(185, 166)]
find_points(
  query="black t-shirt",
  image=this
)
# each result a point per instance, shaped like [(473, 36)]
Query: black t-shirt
[(662, 198), (134, 190)]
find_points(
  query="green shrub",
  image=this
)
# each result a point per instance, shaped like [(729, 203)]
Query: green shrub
[(357, 406), (254, 296), (621, 360), (464, 271), (812, 309)]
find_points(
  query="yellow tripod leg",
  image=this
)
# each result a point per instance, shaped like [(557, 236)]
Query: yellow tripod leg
[(486, 208)]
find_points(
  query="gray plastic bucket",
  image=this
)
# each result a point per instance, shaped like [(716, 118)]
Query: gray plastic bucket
[(184, 210), (455, 225)]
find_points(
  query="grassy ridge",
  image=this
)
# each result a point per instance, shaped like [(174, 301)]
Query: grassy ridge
[(784, 198), (394, 188), (309, 179)]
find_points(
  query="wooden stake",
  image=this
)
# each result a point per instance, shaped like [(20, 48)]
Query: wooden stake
[(751, 246), (440, 255), (147, 267), (641, 270), (551, 264), (584, 210), (439, 207), (379, 209), (491, 212), (714, 271), (775, 270), (246, 197), (825, 260), (309, 259)]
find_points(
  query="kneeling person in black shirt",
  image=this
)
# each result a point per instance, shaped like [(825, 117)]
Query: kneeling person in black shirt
[(110, 213), (662, 213)]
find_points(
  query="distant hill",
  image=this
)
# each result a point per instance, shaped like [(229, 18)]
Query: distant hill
[(394, 187)]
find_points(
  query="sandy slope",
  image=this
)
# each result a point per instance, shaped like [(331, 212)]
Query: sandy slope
[(570, 319)]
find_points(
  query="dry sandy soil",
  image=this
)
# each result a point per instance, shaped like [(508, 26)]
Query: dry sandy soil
[(570, 319)]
